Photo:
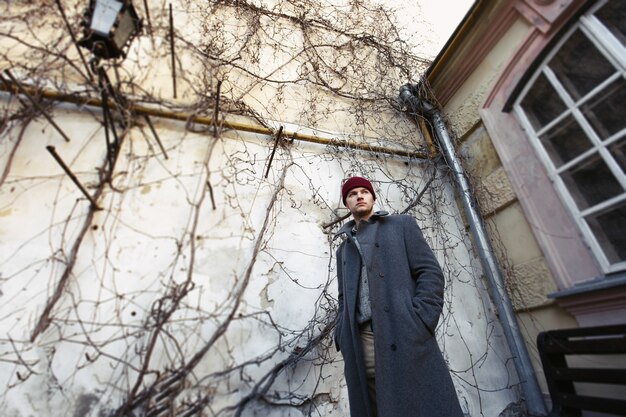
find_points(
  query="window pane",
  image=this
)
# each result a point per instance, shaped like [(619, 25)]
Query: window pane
[(608, 227), (565, 141), (618, 150), (580, 66), (575, 106), (591, 182), (613, 16), (542, 104), (606, 111)]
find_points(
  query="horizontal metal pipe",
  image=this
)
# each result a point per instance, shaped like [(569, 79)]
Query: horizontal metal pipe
[(208, 121), (24, 90)]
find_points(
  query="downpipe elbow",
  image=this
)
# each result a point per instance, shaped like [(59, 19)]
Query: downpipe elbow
[(413, 104)]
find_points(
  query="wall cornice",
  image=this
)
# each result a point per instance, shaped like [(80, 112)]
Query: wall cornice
[(605, 305), (486, 23), (475, 37)]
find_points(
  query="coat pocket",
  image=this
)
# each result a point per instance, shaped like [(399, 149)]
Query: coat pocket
[(425, 332)]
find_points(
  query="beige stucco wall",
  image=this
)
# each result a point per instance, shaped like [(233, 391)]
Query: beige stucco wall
[(521, 258), (462, 108), (527, 275)]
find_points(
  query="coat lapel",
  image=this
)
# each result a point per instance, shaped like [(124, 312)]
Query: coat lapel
[(352, 260), (351, 268)]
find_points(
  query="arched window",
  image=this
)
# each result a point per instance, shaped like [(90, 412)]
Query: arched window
[(574, 111)]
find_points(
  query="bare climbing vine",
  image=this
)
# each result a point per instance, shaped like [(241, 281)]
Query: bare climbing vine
[(151, 301)]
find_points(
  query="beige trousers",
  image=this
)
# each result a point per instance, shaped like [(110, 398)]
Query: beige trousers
[(367, 341)]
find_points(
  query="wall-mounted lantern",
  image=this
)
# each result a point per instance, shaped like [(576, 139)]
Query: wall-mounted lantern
[(109, 26)]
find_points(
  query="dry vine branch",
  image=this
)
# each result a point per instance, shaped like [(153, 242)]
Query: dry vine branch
[(161, 297)]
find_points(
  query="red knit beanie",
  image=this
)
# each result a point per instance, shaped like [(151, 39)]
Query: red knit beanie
[(355, 182)]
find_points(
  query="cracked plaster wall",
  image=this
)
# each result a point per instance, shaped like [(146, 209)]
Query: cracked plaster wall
[(138, 246)]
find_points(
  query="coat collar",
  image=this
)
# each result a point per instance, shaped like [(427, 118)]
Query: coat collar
[(346, 228)]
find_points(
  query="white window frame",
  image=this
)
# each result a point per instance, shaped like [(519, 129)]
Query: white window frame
[(615, 53)]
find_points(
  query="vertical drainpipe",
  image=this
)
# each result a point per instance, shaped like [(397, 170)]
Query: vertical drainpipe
[(532, 393)]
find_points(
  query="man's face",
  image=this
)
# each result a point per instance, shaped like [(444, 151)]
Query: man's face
[(360, 202)]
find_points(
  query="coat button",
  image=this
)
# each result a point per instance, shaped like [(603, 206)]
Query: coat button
[(381, 275), (393, 346), (376, 244), (386, 308)]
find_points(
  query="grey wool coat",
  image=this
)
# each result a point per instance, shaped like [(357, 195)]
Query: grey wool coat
[(406, 292)]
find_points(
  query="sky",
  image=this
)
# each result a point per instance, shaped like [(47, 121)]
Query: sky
[(439, 17)]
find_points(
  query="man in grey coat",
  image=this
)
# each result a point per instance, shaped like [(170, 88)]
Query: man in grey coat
[(390, 300)]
